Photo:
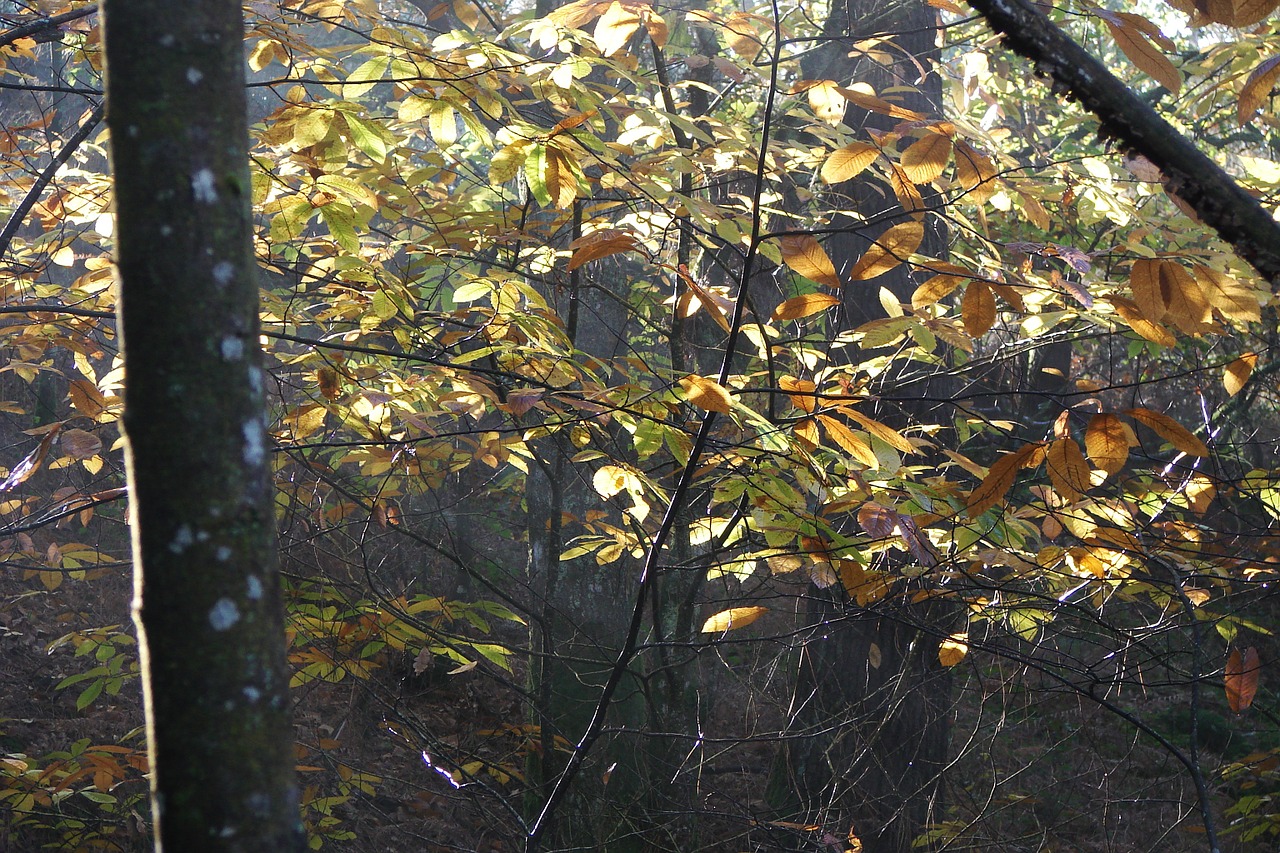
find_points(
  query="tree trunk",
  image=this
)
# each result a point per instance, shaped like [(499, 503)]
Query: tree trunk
[(207, 601), (870, 716)]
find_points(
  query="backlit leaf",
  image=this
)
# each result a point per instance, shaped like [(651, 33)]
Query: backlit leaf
[(975, 172), (1152, 331), (826, 102), (953, 649), (1238, 372), (1257, 89), (805, 255), (934, 289), (1067, 468), (889, 436), (978, 309), (849, 441), (804, 306), (706, 394), (1170, 430), (734, 617), (1144, 283), (28, 466), (924, 159), (1106, 440), (599, 244), (1185, 302), (889, 250), (908, 196), (1144, 54), (615, 27), (865, 96), (1241, 678), (506, 164), (848, 162), (999, 480), (1230, 297)]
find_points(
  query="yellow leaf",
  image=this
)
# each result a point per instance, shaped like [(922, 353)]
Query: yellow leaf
[(506, 164), (1238, 372), (1106, 440), (1257, 89), (805, 256), (825, 101), (924, 159), (849, 441), (1068, 469), (1170, 430), (953, 649), (562, 181), (804, 306), (615, 27), (848, 162), (908, 196), (975, 172), (889, 436), (1144, 283), (734, 617), (800, 391), (978, 309), (889, 250), (706, 394), (1145, 55), (1133, 317)]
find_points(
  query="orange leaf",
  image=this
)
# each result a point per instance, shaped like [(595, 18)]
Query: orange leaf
[(891, 437), (934, 289), (1145, 55), (706, 394), (1106, 440), (1153, 332), (1257, 89), (849, 441), (848, 162), (978, 309), (734, 617), (800, 391), (1185, 302), (1067, 468), (805, 256), (953, 649), (804, 306), (1238, 372), (1229, 296), (599, 244), (908, 196), (1241, 677), (1144, 282), (999, 480), (864, 96), (924, 159), (1170, 430), (889, 250)]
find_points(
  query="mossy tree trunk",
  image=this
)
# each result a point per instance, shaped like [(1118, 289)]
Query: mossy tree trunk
[(207, 601)]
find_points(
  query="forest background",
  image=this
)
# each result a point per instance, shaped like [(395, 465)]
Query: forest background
[(707, 428)]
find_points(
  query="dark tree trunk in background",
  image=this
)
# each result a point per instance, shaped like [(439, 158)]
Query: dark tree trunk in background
[(207, 600), (870, 716)]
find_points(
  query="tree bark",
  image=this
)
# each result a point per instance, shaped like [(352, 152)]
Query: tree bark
[(207, 601)]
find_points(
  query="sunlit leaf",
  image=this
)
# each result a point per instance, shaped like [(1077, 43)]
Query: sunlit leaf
[(1170, 430), (978, 309), (1144, 54), (806, 305), (890, 249), (848, 162), (889, 436), (1229, 296), (29, 465), (599, 244), (953, 649), (1068, 470), (924, 159), (706, 394), (865, 96), (849, 441), (734, 617), (934, 289), (975, 172), (999, 480), (1237, 373), (805, 255), (1258, 88), (615, 27), (1106, 440)]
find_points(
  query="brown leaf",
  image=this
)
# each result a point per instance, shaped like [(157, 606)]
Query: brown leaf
[(1238, 372), (1153, 332), (79, 444), (1170, 430), (848, 162), (880, 522), (1145, 55), (1257, 89), (1106, 440), (1241, 677), (999, 480), (804, 255), (330, 382), (28, 466), (908, 196), (1144, 283), (599, 244), (924, 159), (978, 309), (889, 250), (1068, 469), (86, 398), (804, 306)]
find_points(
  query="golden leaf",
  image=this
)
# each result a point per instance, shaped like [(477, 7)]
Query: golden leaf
[(1228, 295), (1257, 89), (599, 244), (1153, 332), (953, 649), (800, 391), (825, 101), (804, 306), (1106, 440), (734, 617), (889, 250), (934, 289), (999, 479), (706, 394), (1068, 469), (924, 159), (1238, 372), (848, 162), (1144, 283), (1170, 430), (975, 172), (978, 309), (864, 96), (1185, 302), (849, 441), (803, 254), (889, 436), (908, 196), (615, 27)]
